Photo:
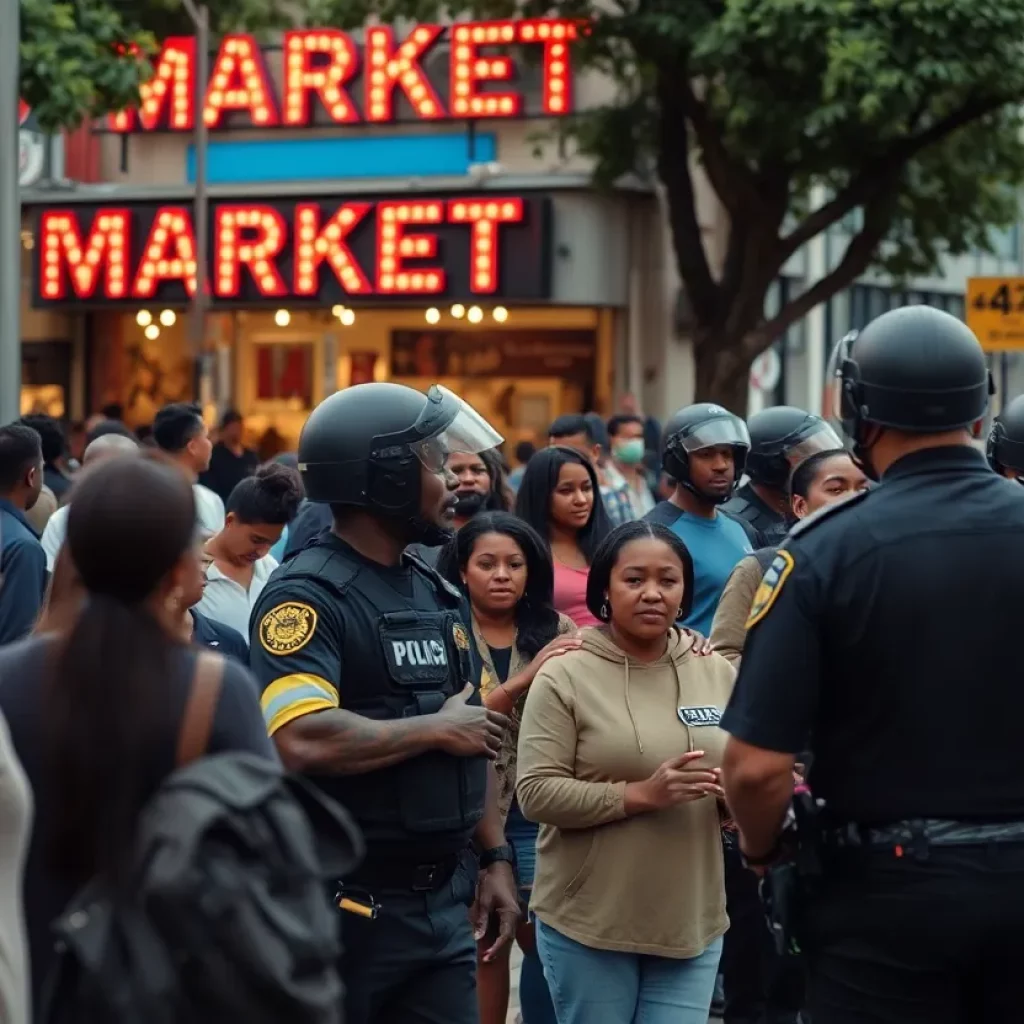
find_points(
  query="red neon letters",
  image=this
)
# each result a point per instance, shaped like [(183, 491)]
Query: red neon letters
[(80, 260), (319, 66)]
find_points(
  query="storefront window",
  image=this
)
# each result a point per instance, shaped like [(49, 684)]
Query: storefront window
[(284, 373)]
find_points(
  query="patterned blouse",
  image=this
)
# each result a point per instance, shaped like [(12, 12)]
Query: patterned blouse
[(505, 766)]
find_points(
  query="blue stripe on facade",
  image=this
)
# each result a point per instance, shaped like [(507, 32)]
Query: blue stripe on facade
[(248, 161)]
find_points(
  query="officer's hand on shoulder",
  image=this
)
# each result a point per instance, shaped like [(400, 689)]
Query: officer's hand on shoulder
[(469, 730)]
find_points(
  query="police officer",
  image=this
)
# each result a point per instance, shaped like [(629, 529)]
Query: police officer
[(881, 636), (1005, 448), (780, 439), (364, 658)]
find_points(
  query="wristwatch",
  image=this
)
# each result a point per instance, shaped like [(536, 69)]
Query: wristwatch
[(497, 855)]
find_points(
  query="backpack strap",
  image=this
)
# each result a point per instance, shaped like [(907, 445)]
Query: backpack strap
[(197, 722)]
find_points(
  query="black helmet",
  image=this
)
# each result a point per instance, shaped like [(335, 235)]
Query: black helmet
[(781, 438), (1005, 447), (364, 446), (703, 425), (915, 368)]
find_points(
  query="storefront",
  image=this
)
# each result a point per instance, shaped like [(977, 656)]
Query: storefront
[(359, 228)]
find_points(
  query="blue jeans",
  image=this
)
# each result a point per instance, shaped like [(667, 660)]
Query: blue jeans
[(597, 986)]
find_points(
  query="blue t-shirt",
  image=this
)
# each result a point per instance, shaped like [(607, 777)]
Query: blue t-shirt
[(715, 545)]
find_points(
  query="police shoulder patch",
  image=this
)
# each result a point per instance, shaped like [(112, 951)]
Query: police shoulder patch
[(460, 636), (770, 586), (826, 512), (287, 627)]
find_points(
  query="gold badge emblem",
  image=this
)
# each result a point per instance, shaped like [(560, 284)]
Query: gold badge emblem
[(287, 628), (461, 636), (770, 587)]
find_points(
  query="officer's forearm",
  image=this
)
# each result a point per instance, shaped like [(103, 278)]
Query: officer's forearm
[(758, 790), (491, 830), (340, 742)]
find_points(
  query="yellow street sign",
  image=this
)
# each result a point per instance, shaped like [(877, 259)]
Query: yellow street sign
[(995, 312)]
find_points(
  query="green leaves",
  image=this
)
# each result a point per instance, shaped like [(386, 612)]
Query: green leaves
[(79, 60)]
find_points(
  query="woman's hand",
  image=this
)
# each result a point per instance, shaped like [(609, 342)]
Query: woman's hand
[(560, 645), (673, 783), (506, 695)]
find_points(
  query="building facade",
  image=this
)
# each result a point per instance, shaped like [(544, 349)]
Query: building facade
[(382, 205)]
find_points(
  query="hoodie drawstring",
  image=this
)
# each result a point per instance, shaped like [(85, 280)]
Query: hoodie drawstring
[(679, 704), (629, 710)]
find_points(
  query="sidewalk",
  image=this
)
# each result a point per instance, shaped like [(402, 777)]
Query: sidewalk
[(513, 1003)]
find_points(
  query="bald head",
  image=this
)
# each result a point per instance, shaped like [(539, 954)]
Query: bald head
[(106, 446)]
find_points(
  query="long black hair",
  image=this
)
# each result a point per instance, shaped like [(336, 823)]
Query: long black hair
[(110, 699), (533, 500), (608, 554), (536, 618)]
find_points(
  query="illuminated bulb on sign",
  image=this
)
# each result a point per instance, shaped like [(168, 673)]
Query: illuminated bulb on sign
[(168, 318), (347, 318), (337, 311), (475, 314), (143, 318), (458, 311), (282, 318), (500, 314), (152, 332), (433, 315)]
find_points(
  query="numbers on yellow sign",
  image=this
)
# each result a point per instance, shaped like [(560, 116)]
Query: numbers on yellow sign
[(1005, 299)]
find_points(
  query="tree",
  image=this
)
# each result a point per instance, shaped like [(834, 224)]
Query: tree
[(905, 110), (85, 58)]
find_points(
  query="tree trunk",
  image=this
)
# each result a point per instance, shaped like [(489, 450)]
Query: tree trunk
[(722, 367)]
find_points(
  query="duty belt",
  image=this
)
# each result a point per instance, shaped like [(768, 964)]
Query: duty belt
[(918, 834), (400, 874)]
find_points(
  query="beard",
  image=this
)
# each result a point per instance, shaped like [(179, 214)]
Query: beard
[(469, 504), (431, 535)]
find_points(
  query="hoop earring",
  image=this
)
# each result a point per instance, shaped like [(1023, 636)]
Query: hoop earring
[(604, 612), (679, 615)]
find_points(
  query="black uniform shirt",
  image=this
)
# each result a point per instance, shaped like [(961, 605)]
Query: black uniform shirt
[(887, 632), (301, 631)]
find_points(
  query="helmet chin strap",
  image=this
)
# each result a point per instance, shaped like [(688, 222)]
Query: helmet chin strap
[(714, 499), (861, 455)]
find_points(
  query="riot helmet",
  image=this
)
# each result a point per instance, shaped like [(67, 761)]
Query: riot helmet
[(365, 447), (1005, 448), (703, 425), (780, 439), (916, 369)]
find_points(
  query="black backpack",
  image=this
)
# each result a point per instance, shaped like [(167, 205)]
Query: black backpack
[(230, 916)]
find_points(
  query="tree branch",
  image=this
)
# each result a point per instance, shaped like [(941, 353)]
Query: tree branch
[(677, 179), (734, 185), (859, 252), (865, 186)]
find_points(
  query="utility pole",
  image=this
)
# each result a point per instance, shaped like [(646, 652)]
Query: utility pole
[(197, 326), (10, 214)]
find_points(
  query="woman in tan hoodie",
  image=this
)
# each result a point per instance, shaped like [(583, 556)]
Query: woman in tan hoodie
[(619, 755)]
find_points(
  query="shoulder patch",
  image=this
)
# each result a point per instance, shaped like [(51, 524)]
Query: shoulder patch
[(770, 586), (826, 512), (287, 628)]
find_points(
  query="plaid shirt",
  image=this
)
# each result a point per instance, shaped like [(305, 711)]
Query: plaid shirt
[(617, 504)]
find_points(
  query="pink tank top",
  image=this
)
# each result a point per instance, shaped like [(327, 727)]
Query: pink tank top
[(571, 595)]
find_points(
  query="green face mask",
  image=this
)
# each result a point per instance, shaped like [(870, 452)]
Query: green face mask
[(630, 453)]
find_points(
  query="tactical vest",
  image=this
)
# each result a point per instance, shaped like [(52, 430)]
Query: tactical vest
[(771, 527), (399, 662)]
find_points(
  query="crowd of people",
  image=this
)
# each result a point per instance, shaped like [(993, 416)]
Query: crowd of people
[(393, 616)]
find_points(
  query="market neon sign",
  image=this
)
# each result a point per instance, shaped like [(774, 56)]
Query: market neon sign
[(302, 249), (327, 75)]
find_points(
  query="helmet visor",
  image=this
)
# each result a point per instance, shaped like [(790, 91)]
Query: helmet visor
[(832, 400), (466, 433), (726, 430), (824, 439)]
